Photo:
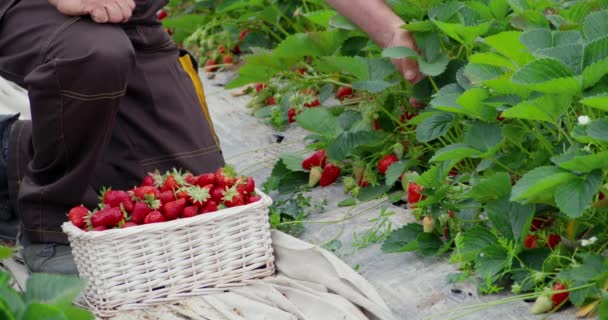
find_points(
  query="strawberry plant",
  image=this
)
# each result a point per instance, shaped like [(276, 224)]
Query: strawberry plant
[(46, 296)]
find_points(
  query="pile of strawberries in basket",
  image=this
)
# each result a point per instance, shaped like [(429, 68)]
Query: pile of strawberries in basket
[(166, 197)]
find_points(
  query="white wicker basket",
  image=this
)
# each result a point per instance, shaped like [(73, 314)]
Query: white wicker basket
[(140, 266)]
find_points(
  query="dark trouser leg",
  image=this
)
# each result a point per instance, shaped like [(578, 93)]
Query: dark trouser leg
[(85, 130)]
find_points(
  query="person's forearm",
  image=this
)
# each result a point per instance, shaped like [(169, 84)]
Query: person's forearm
[(374, 17)]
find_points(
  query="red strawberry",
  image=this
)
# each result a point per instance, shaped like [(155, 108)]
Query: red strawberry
[(100, 228), (344, 92), (386, 162), (314, 176), (236, 49), (190, 179), (198, 196), (141, 192), (225, 177), (499, 117), (253, 198), (271, 101), (221, 49), (414, 194), (129, 224), (233, 198), (362, 182), (259, 87), (211, 206), (190, 211), (217, 194), (114, 198), (329, 175), (107, 217), (531, 241), (172, 210), (210, 65), (170, 183), (205, 179), (161, 14), (245, 185), (228, 59), (291, 115), (154, 217), (182, 194), (77, 216), (553, 240), (406, 116), (317, 159), (166, 196), (243, 34), (538, 223), (315, 102), (451, 214), (559, 298), (140, 211), (148, 181), (301, 71)]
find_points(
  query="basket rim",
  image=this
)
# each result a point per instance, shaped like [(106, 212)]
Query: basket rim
[(75, 232)]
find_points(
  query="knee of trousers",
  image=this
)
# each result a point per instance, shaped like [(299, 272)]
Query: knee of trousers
[(91, 60)]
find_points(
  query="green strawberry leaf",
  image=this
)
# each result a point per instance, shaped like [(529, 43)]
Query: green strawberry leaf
[(483, 136), (373, 86), (402, 239), (511, 219), (470, 242), (49, 288), (541, 180), (12, 300), (549, 108), (320, 17), (491, 260), (319, 120), (348, 202), (394, 172), (548, 75), (33, 311), (599, 102), (456, 152), (595, 25), (489, 188), (6, 252), (509, 45), (434, 126), (346, 143), (581, 161), (576, 195), (371, 193), (428, 243), (355, 66), (292, 162)]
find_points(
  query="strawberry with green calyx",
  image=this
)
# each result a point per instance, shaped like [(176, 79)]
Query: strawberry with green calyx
[(531, 241), (140, 212), (271, 101), (291, 115), (232, 198), (140, 193), (107, 217), (344, 92), (243, 34), (182, 193), (154, 217), (559, 299), (362, 182), (170, 184), (217, 194), (221, 49), (205, 179), (314, 176), (245, 185), (311, 98), (148, 181), (199, 196), (173, 210), (228, 59), (225, 177), (428, 224), (330, 174), (190, 179), (190, 211), (78, 216), (211, 65), (253, 198), (386, 162), (259, 87), (553, 240), (317, 159), (211, 206), (166, 196), (414, 194)]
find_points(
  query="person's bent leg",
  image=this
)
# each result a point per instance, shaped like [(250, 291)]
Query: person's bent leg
[(76, 73)]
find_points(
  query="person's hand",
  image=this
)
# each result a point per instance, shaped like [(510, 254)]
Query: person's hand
[(101, 11), (407, 67)]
